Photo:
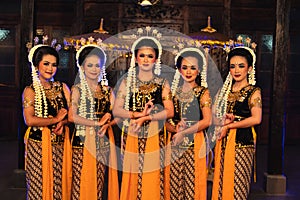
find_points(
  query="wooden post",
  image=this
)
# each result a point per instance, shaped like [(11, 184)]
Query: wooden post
[(227, 18), (275, 180), (27, 30), (186, 19)]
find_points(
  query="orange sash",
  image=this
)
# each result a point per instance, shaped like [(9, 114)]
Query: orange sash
[(47, 165), (88, 179), (113, 184), (167, 168), (67, 166), (229, 162), (200, 166), (228, 173), (151, 166)]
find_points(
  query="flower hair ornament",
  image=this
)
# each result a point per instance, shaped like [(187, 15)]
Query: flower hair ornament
[(177, 73), (40, 96), (131, 78), (86, 92)]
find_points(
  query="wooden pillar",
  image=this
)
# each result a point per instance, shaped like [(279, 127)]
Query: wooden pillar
[(227, 18), (120, 17), (27, 32), (27, 28), (275, 180), (186, 19), (78, 26)]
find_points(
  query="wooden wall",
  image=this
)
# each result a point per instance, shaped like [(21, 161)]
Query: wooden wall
[(254, 18)]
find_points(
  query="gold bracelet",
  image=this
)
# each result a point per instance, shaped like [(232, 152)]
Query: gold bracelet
[(51, 120)]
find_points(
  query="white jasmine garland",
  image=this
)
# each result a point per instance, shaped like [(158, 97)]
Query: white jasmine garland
[(86, 92), (40, 96), (175, 82), (222, 98)]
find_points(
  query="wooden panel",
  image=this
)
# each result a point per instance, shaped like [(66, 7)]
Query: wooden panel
[(253, 19), (51, 13), (292, 128)]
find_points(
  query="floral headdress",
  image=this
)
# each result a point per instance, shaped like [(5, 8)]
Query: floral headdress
[(177, 73), (137, 41), (102, 78), (221, 101), (131, 78), (40, 96)]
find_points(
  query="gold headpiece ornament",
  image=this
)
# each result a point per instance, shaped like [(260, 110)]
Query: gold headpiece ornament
[(40, 100), (221, 101)]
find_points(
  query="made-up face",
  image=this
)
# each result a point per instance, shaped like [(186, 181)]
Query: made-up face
[(239, 68), (92, 67), (189, 69), (145, 58), (47, 67)]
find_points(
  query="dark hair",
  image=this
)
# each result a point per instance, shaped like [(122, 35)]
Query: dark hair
[(240, 52), (42, 51), (146, 43), (190, 54), (89, 51)]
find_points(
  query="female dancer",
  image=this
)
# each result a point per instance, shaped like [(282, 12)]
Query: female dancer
[(144, 100), (192, 107), (93, 141), (240, 102), (45, 105)]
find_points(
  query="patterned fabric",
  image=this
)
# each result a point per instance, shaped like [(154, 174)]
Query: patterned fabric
[(34, 173), (243, 171), (147, 90), (234, 154), (102, 156), (142, 145), (34, 170), (183, 181), (182, 174)]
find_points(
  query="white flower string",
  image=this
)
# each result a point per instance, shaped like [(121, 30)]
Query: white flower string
[(221, 101), (175, 82), (131, 77), (86, 92), (39, 97)]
